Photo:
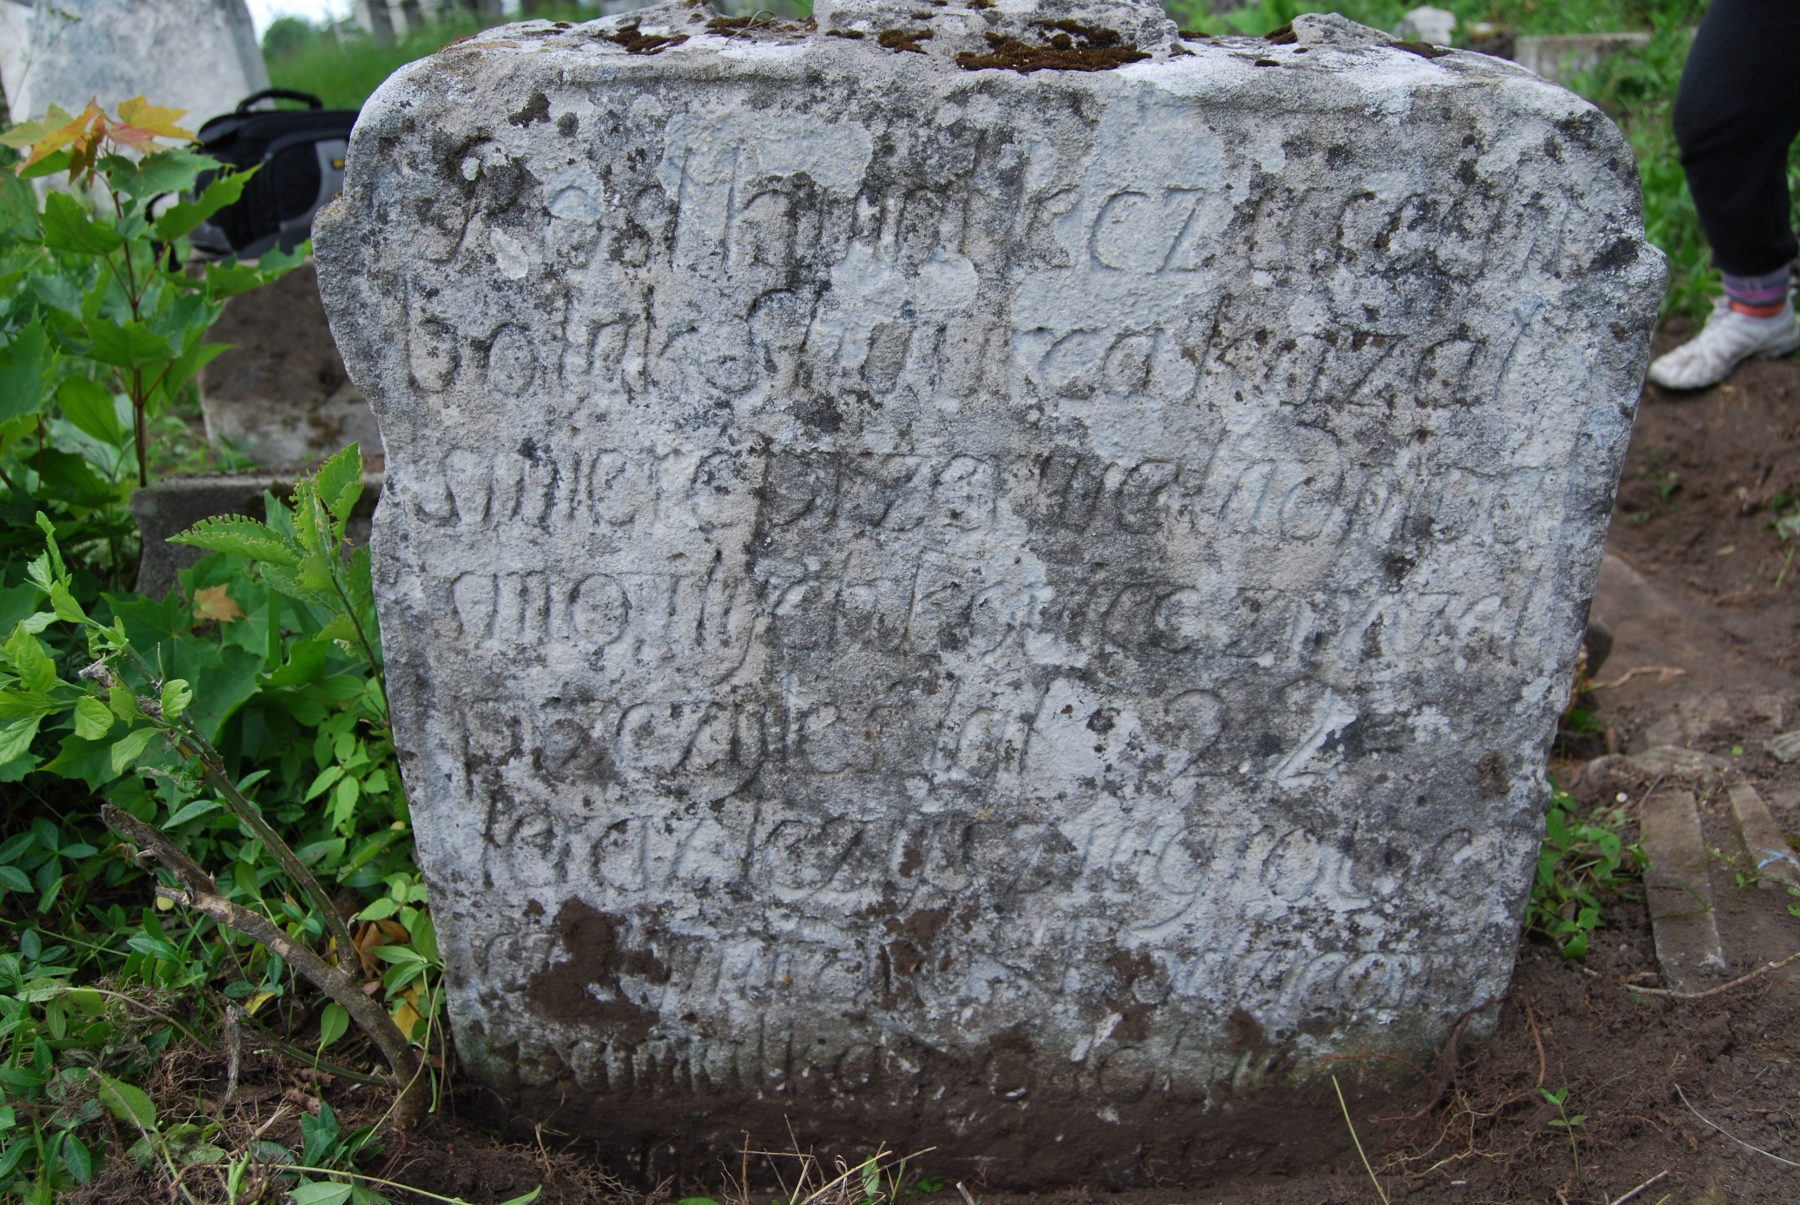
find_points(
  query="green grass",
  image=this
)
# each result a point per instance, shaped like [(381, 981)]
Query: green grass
[(1637, 91)]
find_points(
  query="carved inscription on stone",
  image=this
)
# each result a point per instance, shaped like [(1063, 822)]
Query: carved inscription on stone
[(879, 557)]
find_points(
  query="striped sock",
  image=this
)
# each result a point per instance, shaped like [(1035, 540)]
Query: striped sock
[(1758, 296)]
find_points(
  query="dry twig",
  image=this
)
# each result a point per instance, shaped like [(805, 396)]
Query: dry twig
[(1728, 1134), (202, 895), (1740, 981)]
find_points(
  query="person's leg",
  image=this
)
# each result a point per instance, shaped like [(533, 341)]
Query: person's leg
[(1736, 115)]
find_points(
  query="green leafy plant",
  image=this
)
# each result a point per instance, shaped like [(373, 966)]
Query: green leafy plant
[(1581, 858), (107, 285), (1564, 1122), (134, 713)]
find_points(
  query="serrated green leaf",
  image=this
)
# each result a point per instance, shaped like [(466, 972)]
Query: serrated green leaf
[(176, 695), (128, 345), (241, 536), (339, 484), (68, 228), (183, 216), (93, 719), (128, 748)]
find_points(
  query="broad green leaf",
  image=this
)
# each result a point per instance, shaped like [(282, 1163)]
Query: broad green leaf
[(176, 695), (24, 705), (77, 1159), (93, 719), (242, 536), (320, 1192), (195, 355), (401, 955), (424, 936), (130, 747), (322, 783), (339, 484), (68, 228), (22, 376), (127, 1103), (343, 802), (185, 215), (35, 669), (128, 345), (381, 909), (16, 738), (334, 1023), (90, 407), (13, 879), (198, 807)]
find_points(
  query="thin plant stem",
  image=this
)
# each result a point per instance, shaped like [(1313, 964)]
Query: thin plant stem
[(1379, 1191)]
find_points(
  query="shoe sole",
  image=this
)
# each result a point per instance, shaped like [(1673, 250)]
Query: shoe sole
[(1791, 345)]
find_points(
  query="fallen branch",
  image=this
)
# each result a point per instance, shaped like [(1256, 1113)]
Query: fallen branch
[(1728, 1134), (1640, 1188), (202, 895), (1740, 981), (1665, 672)]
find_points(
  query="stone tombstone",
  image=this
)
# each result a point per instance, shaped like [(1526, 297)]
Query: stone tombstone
[(1007, 589), (200, 56)]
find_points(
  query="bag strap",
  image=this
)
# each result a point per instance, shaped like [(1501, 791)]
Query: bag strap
[(312, 101)]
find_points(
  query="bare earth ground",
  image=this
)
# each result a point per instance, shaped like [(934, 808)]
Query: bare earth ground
[(1691, 587)]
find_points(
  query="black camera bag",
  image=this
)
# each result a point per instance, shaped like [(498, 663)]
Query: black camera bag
[(301, 152)]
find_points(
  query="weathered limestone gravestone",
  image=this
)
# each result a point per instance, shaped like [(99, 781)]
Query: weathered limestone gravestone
[(197, 55), (280, 394), (997, 589)]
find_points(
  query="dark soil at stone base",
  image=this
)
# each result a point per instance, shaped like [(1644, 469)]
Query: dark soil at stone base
[(1699, 604)]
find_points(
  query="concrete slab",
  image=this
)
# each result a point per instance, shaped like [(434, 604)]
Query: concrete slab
[(1679, 892), (1767, 845)]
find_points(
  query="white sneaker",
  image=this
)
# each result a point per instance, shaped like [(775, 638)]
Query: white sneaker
[(1728, 339)]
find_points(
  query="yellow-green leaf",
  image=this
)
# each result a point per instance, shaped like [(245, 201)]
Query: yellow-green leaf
[(65, 606), (124, 704), (35, 669), (93, 719), (176, 695), (130, 747)]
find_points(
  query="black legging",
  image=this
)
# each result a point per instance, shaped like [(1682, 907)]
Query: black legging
[(1737, 113)]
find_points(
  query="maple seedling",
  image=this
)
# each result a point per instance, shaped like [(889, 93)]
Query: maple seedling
[(121, 309)]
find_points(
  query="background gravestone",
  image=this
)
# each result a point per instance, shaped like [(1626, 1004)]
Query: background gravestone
[(197, 55), (1016, 610)]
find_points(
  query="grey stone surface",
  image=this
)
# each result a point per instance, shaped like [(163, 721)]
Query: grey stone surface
[(280, 393), (197, 55), (1564, 56), (970, 606)]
